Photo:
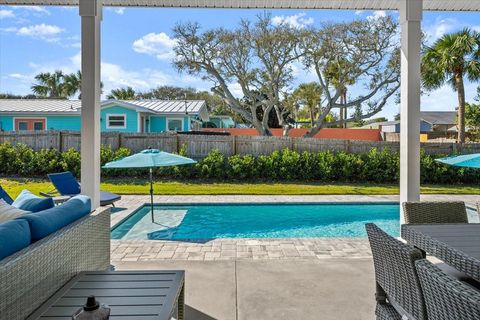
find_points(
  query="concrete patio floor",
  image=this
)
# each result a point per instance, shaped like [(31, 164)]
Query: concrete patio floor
[(273, 289), (335, 282)]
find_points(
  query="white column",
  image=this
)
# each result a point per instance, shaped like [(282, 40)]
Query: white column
[(91, 16), (410, 19)]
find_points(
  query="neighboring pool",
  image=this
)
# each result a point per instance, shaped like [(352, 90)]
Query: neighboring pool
[(213, 221)]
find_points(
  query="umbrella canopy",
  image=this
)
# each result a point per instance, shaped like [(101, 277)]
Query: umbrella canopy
[(466, 160), (149, 158)]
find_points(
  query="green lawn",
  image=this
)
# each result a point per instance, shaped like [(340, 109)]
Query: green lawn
[(14, 186)]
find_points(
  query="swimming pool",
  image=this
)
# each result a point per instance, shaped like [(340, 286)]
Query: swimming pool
[(213, 221)]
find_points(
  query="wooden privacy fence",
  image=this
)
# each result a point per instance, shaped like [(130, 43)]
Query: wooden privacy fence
[(199, 146)]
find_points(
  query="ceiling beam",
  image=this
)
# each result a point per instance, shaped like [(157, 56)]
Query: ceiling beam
[(432, 5)]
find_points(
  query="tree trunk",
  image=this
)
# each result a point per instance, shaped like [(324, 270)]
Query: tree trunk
[(312, 116), (341, 109), (345, 113), (461, 107)]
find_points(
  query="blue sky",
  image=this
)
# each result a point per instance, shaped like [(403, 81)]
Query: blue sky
[(136, 44)]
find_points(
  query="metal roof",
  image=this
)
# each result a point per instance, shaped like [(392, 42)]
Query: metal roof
[(439, 117), (441, 5), (39, 105), (74, 106), (169, 106)]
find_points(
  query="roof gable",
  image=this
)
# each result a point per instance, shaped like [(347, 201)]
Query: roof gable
[(439, 117)]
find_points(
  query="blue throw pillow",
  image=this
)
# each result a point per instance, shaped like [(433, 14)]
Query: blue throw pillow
[(29, 202), (14, 236), (48, 221)]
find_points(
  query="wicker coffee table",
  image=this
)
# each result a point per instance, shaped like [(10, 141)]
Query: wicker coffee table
[(129, 294)]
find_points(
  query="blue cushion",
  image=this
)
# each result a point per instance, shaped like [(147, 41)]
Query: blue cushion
[(30, 202), (48, 221), (4, 195), (14, 236)]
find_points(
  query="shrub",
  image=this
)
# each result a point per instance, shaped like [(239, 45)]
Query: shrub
[(212, 166), (71, 161), (326, 166), (241, 167)]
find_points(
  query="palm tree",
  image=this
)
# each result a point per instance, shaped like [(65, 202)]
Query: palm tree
[(72, 83), (309, 95), (449, 60), (122, 94), (340, 80), (50, 85)]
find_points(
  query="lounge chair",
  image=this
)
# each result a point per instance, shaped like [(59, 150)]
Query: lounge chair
[(5, 196), (66, 185)]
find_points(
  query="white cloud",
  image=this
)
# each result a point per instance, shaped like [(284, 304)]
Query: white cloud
[(40, 30), (298, 20), (117, 10), (19, 76), (445, 99), (34, 9), (442, 26), (377, 15), (159, 45), (120, 10), (4, 14), (236, 89), (359, 12)]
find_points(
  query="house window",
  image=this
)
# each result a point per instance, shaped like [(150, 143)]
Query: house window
[(174, 124), (30, 124), (22, 126), (116, 121), (38, 126)]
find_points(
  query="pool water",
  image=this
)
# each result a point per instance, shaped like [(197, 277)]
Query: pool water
[(173, 222)]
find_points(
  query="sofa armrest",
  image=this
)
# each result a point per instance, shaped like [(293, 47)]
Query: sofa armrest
[(32, 275)]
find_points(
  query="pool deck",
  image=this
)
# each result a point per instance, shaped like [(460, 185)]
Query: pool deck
[(246, 249), (277, 279)]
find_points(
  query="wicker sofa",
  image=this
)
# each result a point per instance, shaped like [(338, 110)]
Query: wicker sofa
[(32, 275)]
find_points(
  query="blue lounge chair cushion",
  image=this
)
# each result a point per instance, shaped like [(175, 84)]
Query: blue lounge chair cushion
[(14, 236), (4, 195), (29, 202), (65, 183), (48, 221)]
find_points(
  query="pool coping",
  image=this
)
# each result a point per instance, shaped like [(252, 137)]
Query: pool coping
[(249, 248)]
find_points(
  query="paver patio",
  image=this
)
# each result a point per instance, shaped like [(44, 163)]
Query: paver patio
[(250, 279), (246, 249)]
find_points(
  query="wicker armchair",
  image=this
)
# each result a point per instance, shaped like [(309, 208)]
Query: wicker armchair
[(435, 212), (446, 297), (398, 288)]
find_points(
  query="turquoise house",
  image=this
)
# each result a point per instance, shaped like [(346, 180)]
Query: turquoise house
[(116, 115)]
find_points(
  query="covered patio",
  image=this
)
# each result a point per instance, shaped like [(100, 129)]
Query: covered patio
[(410, 19), (329, 287)]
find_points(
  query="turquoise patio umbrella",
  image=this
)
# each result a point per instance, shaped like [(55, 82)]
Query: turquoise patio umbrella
[(149, 158), (466, 160)]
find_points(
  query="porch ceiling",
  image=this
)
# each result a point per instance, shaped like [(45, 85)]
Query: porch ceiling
[(441, 5)]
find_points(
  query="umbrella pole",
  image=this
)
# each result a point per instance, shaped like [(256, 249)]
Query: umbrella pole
[(151, 193)]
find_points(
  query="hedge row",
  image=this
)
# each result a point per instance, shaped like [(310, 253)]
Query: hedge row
[(286, 165)]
